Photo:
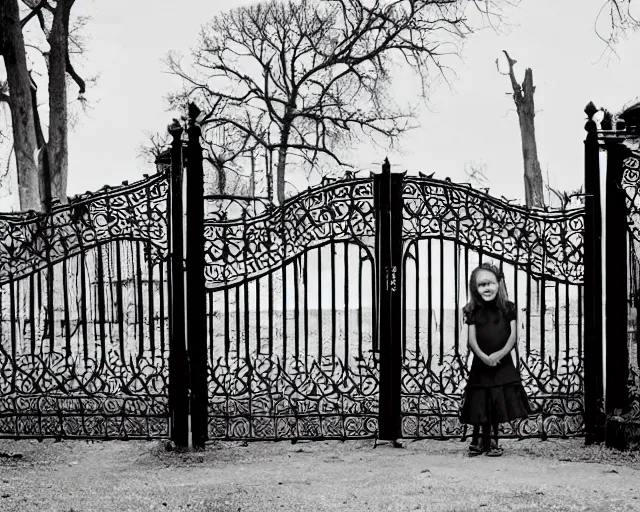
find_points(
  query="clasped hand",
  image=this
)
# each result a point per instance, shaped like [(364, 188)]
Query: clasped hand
[(492, 360)]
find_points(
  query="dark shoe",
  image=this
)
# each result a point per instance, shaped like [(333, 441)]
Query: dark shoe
[(475, 448), (494, 450)]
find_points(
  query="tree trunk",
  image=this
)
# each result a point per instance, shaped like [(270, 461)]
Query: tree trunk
[(533, 184), (58, 150), (22, 119), (269, 173), (282, 157), (523, 98)]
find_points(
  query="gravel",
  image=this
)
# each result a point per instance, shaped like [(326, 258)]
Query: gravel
[(110, 476)]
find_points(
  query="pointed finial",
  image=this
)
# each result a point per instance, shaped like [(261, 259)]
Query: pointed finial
[(590, 110), (175, 129), (590, 126), (193, 111), (386, 166)]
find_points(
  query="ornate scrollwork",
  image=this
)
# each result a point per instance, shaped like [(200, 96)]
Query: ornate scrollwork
[(630, 184), (57, 396), (244, 248), (262, 398), (431, 397), (29, 242), (548, 243)]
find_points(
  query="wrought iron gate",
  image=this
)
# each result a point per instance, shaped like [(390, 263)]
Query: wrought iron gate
[(85, 318), (333, 315), (337, 314)]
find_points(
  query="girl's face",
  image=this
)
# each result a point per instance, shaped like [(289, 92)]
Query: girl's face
[(487, 285)]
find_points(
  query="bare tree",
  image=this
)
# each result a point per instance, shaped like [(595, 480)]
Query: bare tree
[(523, 99), (42, 164), (307, 79), (477, 174), (616, 19)]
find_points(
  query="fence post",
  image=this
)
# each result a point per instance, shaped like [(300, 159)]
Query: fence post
[(617, 366), (178, 368), (196, 295), (388, 206), (592, 283)]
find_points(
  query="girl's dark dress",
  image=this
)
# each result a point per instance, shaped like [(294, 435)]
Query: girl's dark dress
[(494, 394)]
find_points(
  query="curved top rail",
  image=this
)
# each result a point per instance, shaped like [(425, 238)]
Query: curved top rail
[(328, 187), (544, 243), (105, 191), (239, 249), (30, 241), (467, 188)]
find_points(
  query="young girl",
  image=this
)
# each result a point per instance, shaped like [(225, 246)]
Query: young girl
[(494, 392)]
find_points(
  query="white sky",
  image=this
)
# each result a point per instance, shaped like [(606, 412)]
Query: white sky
[(472, 121)]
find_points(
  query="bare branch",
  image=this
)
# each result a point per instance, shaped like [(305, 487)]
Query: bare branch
[(34, 12), (310, 78), (76, 78)]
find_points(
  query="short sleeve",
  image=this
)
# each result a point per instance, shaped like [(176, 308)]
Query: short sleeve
[(512, 312)]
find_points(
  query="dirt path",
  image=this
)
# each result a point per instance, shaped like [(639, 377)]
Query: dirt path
[(320, 476)]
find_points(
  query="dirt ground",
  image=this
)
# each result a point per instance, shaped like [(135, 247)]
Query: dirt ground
[(532, 475)]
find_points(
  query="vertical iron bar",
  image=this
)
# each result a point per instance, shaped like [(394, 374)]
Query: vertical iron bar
[(50, 303), (580, 323), (140, 302), (247, 345), (258, 317), (403, 338), (12, 320), (162, 305), (296, 309), (528, 333), (388, 207), (441, 297), (284, 312), (101, 302), (346, 303), (456, 310), (430, 311), (557, 323), (567, 320), (237, 317), (227, 335), (83, 305), (196, 314), (543, 306), (333, 300), (270, 319), (319, 304), (305, 284), (417, 266), (178, 365), (32, 316), (617, 355), (593, 391), (150, 290), (210, 327), (360, 274)]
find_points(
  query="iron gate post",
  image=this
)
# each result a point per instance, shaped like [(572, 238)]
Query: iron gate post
[(196, 295), (617, 365), (593, 392), (388, 206), (178, 368)]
